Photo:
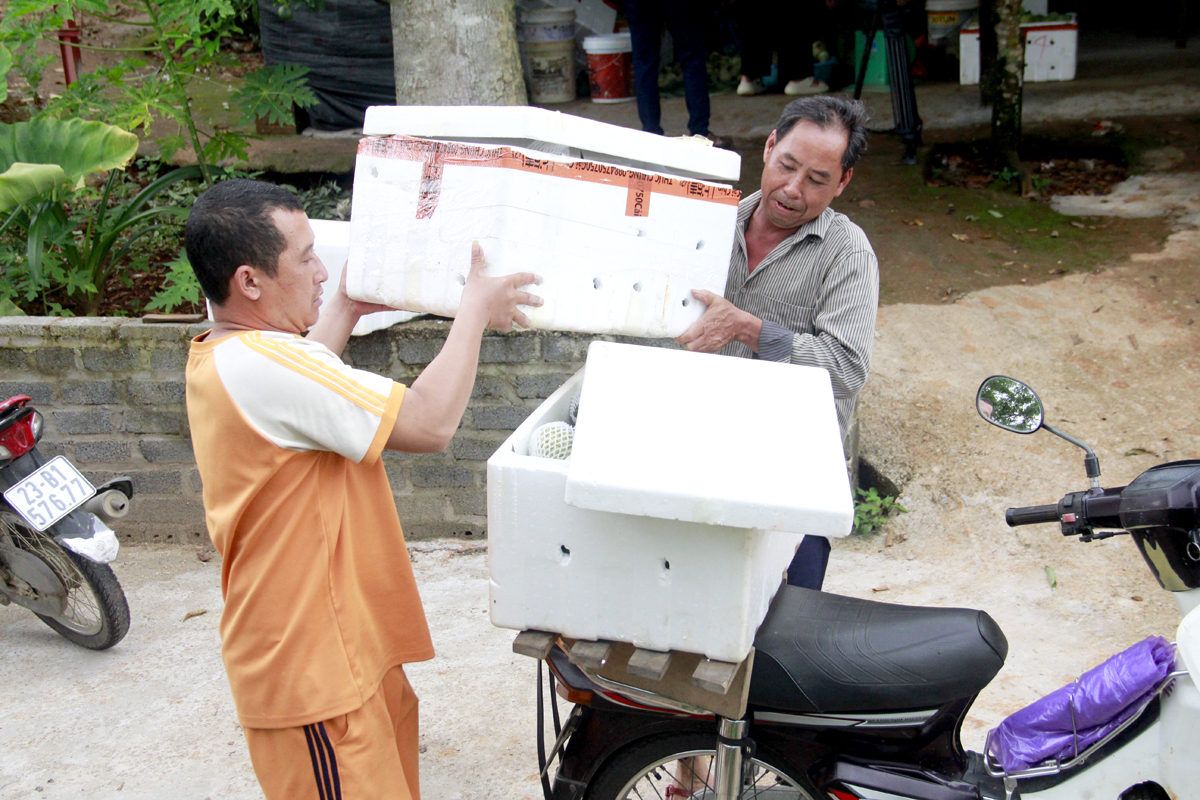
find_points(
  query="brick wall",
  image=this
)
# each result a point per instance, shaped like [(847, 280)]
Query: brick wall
[(112, 394)]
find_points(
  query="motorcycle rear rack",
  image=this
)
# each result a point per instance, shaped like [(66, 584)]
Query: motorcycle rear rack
[(1053, 767)]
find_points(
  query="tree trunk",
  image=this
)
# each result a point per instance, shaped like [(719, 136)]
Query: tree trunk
[(456, 52), (1006, 104), (987, 52)]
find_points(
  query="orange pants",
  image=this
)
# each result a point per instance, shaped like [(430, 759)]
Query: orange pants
[(368, 754)]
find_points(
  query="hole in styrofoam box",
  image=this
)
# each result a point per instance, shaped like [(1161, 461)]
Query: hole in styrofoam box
[(564, 555), (637, 287), (700, 245), (687, 301), (462, 280), (597, 283)]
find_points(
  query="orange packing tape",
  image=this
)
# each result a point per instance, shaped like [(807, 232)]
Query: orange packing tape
[(436, 155)]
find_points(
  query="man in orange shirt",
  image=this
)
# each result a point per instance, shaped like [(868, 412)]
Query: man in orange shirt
[(321, 607)]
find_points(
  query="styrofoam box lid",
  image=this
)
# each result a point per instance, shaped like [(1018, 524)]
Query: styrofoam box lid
[(535, 128), (709, 439)]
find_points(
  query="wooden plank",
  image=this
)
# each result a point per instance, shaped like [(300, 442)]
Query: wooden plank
[(650, 664), (535, 644)]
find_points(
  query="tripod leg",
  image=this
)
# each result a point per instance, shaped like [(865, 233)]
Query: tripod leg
[(866, 57), (904, 99)]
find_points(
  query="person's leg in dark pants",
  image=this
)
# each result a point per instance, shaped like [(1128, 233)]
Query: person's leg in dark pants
[(687, 23), (645, 18), (808, 565)]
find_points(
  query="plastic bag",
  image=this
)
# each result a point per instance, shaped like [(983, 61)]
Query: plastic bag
[(1069, 720)]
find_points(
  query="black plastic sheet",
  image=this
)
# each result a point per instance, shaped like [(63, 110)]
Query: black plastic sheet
[(347, 48)]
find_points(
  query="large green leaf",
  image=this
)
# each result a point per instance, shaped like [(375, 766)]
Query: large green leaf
[(78, 146), (5, 65), (22, 182)]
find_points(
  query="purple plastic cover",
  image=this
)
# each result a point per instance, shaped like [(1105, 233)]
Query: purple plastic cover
[(1069, 720)]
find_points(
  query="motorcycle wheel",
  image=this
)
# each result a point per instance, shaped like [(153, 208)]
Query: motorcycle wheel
[(678, 766), (97, 615)]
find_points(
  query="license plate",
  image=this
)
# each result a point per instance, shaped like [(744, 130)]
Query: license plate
[(49, 494)]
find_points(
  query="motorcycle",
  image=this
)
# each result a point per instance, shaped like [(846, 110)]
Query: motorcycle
[(853, 698), (55, 542)]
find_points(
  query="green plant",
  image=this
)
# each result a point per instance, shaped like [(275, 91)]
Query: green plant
[(179, 288), (872, 509), (157, 82), (269, 94), (60, 235)]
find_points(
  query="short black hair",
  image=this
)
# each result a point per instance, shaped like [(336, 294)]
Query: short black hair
[(230, 224), (849, 115)]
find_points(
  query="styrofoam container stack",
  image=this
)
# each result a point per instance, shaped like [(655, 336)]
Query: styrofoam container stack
[(620, 224), (1051, 51), (691, 481)]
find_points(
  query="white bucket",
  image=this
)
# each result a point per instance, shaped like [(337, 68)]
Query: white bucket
[(550, 70), (547, 25), (946, 18), (610, 67)]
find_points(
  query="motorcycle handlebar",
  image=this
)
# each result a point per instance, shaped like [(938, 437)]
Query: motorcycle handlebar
[(1031, 515)]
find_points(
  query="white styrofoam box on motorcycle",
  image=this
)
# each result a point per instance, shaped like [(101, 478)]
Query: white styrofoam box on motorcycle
[(619, 251), (678, 558), (543, 129), (332, 246)]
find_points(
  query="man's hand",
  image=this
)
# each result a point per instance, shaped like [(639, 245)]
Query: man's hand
[(496, 299), (722, 323)]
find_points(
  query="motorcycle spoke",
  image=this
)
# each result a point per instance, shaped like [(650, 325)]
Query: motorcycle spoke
[(82, 613)]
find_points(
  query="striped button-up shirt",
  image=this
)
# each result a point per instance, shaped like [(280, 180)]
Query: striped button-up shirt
[(816, 293)]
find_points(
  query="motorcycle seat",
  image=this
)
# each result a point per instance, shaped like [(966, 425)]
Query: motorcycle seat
[(823, 653)]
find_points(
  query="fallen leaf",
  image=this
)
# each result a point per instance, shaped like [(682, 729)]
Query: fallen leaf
[(1033, 230), (198, 612), (866, 203), (970, 217), (988, 236), (1133, 341), (1008, 263), (1079, 225), (995, 214), (1050, 576), (962, 237), (880, 589), (1053, 234), (1137, 598), (913, 222), (1139, 451), (204, 555)]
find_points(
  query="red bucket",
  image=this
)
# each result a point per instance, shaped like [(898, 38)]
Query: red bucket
[(610, 67)]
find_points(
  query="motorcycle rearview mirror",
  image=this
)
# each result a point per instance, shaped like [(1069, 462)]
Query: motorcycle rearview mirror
[(1009, 404), (1012, 405)]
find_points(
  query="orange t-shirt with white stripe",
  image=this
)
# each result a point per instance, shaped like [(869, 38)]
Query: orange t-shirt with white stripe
[(320, 598)]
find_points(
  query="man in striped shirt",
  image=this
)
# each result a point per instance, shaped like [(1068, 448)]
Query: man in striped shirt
[(803, 282)]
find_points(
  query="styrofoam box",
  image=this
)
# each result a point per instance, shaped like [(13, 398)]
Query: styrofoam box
[(332, 245), (670, 527), (331, 242), (1050, 52), (553, 131), (618, 250)]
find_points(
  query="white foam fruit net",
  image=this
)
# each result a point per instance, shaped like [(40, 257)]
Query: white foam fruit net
[(552, 440)]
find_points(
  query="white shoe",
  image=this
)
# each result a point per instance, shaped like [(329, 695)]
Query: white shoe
[(806, 86), (748, 88)]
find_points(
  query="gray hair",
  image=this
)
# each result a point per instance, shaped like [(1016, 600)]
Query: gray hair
[(825, 111)]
